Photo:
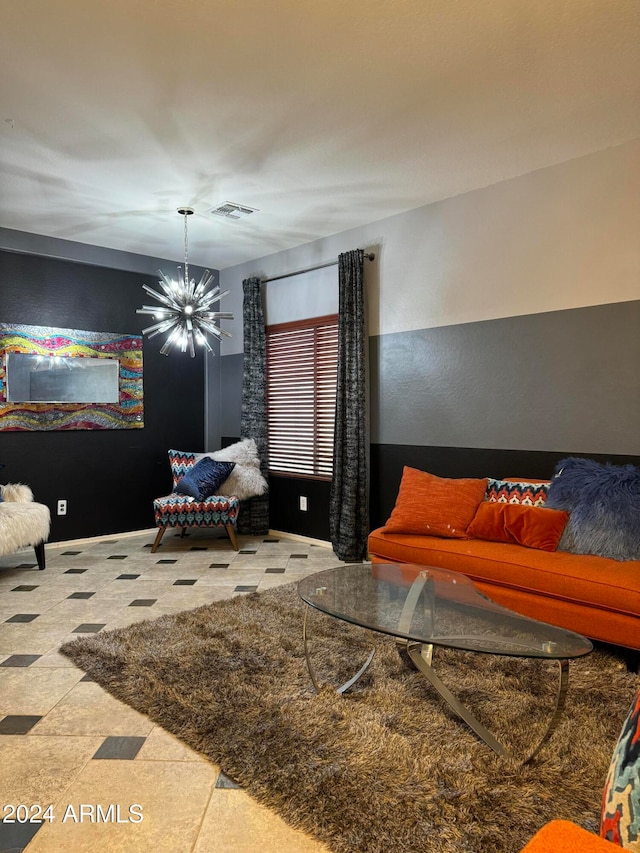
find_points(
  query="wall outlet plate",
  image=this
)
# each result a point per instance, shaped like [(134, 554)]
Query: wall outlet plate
[(303, 503), (62, 507)]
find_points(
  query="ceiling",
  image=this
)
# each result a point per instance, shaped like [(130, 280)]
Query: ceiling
[(322, 114)]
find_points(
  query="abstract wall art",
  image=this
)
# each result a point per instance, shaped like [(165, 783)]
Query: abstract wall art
[(69, 379)]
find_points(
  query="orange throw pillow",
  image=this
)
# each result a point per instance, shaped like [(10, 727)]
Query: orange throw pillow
[(519, 524), (435, 506)]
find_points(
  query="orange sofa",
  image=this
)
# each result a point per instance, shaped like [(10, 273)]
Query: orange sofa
[(594, 596)]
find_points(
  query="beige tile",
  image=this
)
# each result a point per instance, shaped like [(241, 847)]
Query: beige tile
[(32, 638), (89, 710), (172, 796), (234, 823), (24, 690), (39, 769), (162, 746)]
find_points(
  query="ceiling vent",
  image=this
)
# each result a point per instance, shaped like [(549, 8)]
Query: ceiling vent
[(231, 210)]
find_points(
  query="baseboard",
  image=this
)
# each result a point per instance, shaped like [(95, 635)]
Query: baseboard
[(65, 543), (281, 534)]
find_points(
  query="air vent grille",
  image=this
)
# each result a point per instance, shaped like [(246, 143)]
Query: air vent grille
[(231, 210)]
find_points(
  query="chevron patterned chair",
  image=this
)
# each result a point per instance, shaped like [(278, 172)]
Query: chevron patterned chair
[(182, 511)]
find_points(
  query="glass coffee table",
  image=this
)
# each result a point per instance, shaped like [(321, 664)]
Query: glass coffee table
[(424, 607)]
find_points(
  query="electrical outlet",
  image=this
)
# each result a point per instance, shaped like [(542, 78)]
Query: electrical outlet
[(62, 507), (303, 503)]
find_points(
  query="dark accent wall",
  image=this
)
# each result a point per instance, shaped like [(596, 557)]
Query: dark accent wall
[(388, 461), (108, 477)]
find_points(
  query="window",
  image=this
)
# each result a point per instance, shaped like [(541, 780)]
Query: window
[(301, 396)]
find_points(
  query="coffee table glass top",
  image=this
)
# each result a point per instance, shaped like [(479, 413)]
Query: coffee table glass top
[(449, 611)]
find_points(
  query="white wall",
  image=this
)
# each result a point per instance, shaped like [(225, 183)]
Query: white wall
[(561, 237)]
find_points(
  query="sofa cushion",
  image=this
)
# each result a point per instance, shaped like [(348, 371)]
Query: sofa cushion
[(620, 819), (578, 579), (520, 524), (604, 505), (436, 506), (517, 492)]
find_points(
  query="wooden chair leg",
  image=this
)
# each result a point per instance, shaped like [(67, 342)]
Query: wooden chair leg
[(183, 532), (232, 535), (156, 542), (39, 549)]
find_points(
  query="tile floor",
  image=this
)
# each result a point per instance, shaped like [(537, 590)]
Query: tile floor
[(65, 743)]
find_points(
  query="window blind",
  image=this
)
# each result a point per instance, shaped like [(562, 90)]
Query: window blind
[(301, 393)]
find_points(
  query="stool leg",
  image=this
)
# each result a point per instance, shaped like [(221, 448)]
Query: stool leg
[(159, 536)]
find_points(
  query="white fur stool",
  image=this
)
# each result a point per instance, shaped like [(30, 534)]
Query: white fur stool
[(22, 521)]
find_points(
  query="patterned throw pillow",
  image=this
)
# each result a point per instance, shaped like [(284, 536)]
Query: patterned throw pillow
[(511, 492), (620, 819)]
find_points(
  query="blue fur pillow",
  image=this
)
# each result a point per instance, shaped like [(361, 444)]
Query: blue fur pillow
[(204, 479), (603, 502)]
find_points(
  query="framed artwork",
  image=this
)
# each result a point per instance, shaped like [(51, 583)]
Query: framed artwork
[(64, 379)]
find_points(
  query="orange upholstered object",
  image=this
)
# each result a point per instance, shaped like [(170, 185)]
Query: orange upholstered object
[(562, 836), (532, 526), (436, 506), (594, 596)]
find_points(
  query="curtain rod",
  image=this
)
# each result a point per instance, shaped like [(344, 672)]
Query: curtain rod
[(368, 256)]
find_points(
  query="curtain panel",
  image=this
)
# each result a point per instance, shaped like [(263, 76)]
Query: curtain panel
[(254, 513), (349, 501)]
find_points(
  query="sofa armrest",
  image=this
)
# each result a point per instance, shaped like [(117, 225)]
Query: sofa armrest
[(562, 836)]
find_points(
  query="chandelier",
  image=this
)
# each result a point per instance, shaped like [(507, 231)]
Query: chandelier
[(185, 309)]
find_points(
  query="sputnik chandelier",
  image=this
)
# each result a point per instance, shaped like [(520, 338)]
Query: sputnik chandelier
[(185, 310)]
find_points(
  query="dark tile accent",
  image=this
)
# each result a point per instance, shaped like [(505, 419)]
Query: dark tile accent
[(18, 724), (148, 545), (245, 588), (184, 582), (124, 748), (14, 837), (88, 628), (218, 565), (24, 587), (118, 557), (81, 595), (165, 562), (86, 678), (20, 660), (224, 781), (246, 551), (109, 542), (198, 548), (75, 571), (27, 566), (70, 553), (274, 571), (143, 602), (127, 577), (23, 617), (270, 540), (298, 556)]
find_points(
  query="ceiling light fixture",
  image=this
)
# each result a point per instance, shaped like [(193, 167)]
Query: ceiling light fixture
[(185, 311)]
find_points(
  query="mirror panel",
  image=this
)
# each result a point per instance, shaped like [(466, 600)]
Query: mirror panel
[(59, 379)]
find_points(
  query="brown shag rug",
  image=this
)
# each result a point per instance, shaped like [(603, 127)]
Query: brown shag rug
[(386, 767)]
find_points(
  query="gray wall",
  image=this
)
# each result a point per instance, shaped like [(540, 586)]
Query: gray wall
[(504, 324)]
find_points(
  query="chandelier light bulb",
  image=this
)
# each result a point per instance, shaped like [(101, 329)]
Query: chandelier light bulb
[(185, 311)]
